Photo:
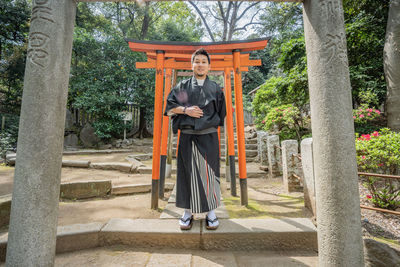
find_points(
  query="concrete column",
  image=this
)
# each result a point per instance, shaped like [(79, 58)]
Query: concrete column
[(307, 162), (34, 209), (336, 181), (274, 156), (262, 147), (289, 166)]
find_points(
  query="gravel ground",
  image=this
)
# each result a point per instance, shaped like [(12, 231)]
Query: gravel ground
[(378, 224)]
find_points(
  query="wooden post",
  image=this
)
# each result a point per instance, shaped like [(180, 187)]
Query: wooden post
[(157, 128), (229, 126), (3, 122), (240, 127), (164, 137)]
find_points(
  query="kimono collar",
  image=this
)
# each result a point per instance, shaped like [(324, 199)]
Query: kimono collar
[(195, 84)]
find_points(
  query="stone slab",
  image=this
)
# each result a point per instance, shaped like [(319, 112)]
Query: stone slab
[(118, 166), (256, 234), (142, 157), (78, 236), (136, 188), (76, 163), (149, 233), (204, 258), (94, 151), (5, 209), (82, 190), (169, 260)]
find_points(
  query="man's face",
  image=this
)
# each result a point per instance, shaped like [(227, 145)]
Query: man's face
[(200, 66)]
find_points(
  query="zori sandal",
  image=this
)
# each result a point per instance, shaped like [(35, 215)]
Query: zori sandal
[(208, 222), (189, 226)]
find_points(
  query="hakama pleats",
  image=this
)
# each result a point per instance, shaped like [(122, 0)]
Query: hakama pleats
[(198, 175)]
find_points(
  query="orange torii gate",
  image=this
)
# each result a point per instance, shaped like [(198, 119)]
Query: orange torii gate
[(225, 56)]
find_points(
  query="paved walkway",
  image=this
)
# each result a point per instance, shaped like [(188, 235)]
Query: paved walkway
[(124, 256)]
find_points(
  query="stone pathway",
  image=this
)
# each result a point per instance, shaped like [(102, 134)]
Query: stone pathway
[(125, 256)]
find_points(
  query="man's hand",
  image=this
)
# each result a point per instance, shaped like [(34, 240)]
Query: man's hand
[(194, 111)]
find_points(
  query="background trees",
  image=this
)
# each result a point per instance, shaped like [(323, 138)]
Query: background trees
[(104, 78)]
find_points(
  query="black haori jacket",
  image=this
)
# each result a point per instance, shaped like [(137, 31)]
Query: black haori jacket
[(209, 97)]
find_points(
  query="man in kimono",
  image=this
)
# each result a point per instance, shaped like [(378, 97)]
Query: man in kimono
[(197, 106)]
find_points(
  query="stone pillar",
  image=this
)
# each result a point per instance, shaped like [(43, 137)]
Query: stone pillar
[(307, 162), (289, 166), (34, 209), (274, 156), (262, 147), (336, 181)]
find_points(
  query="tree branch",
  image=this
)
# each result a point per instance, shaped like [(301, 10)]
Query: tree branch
[(247, 8), (204, 20)]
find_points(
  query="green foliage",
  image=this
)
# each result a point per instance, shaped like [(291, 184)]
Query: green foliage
[(365, 23), (14, 18), (265, 99), (379, 152), (8, 137), (285, 120), (367, 118)]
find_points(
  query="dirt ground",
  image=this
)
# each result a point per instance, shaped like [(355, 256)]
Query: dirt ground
[(267, 199)]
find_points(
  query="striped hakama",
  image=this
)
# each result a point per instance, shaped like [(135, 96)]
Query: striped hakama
[(198, 175)]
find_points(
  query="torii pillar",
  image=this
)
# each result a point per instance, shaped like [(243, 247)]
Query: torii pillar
[(229, 126), (240, 127), (158, 104), (164, 137)]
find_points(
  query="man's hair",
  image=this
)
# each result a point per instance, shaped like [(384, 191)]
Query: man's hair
[(201, 51)]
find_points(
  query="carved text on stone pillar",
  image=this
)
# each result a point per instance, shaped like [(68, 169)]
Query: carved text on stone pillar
[(42, 10), (335, 47), (37, 49), (330, 8)]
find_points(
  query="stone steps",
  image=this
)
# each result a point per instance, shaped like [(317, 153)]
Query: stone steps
[(232, 234)]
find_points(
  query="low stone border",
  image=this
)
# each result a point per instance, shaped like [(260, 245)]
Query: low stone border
[(83, 190), (118, 166), (93, 151), (76, 163), (136, 188), (233, 234)]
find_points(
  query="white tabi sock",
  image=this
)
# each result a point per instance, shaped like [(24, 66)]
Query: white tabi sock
[(186, 215), (211, 216)]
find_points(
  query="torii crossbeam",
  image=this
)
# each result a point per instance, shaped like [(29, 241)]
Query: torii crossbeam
[(225, 56)]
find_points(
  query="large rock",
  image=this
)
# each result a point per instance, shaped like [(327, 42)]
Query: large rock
[(88, 136), (250, 132), (135, 163), (380, 254), (71, 140), (11, 158)]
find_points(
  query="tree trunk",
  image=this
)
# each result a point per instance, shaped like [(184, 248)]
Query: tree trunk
[(142, 132), (391, 57)]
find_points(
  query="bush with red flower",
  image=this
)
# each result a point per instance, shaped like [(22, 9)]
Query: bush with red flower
[(364, 114), (379, 152)]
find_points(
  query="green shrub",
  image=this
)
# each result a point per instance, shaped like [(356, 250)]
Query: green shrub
[(379, 152), (286, 121)]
